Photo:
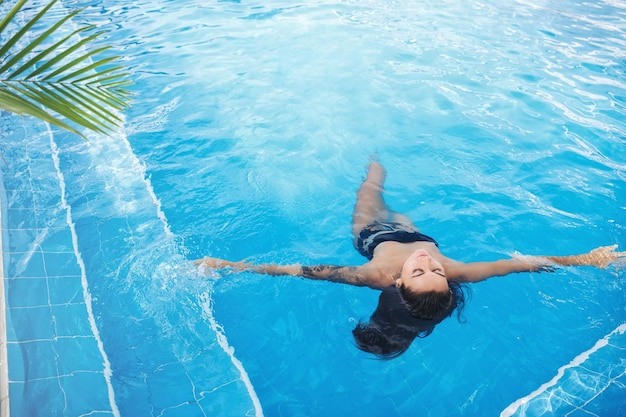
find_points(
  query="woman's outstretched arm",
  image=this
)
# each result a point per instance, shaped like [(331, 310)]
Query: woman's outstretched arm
[(600, 257), (343, 274)]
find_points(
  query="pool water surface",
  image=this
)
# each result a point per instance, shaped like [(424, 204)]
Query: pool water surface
[(500, 125)]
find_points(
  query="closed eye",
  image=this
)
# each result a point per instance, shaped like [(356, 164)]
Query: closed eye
[(419, 272)]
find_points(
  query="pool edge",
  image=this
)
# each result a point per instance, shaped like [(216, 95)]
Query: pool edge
[(4, 365)]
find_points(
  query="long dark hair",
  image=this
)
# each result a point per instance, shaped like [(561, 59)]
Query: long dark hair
[(392, 327)]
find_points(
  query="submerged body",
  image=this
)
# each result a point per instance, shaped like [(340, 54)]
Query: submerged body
[(420, 285)]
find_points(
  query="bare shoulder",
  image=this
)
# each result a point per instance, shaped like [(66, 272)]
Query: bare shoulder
[(377, 275), (454, 269)]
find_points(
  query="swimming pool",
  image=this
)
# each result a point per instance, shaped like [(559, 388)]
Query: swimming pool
[(500, 124)]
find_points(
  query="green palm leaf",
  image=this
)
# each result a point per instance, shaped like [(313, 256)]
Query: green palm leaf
[(56, 75)]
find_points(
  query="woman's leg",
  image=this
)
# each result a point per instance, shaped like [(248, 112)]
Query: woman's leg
[(370, 206), (403, 219)]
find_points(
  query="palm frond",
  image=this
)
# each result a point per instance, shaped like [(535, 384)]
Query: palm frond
[(66, 79), (16, 104)]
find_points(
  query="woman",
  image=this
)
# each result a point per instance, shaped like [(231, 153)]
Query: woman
[(420, 286)]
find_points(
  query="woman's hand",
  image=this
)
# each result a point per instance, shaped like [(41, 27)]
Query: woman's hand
[(241, 266), (217, 263), (604, 256)]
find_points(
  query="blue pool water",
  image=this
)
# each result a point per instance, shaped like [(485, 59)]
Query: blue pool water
[(501, 125)]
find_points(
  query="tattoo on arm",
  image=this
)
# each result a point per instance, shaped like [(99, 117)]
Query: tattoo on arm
[(342, 274)]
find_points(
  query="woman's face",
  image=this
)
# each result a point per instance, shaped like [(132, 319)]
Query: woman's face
[(422, 273)]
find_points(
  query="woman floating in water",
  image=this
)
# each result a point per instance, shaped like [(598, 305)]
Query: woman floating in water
[(420, 286)]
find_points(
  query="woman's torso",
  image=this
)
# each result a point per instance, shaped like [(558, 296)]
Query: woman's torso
[(389, 257)]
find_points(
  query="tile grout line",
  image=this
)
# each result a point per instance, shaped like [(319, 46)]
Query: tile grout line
[(512, 408), (5, 409), (85, 285), (208, 311)]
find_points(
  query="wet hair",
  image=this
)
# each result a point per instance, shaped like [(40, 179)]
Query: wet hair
[(387, 342), (429, 305), (393, 327)]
